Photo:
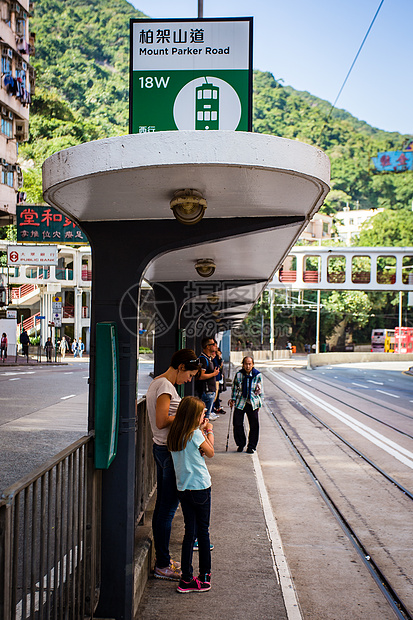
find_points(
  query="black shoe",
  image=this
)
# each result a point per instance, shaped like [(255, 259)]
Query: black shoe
[(250, 450), (240, 449)]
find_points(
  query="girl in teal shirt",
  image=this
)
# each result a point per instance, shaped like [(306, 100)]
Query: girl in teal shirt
[(190, 438)]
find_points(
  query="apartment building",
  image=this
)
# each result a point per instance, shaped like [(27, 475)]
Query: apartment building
[(17, 87)]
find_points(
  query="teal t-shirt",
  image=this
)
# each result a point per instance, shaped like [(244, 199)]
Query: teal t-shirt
[(190, 468)]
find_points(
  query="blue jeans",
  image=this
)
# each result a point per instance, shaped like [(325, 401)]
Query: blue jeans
[(196, 508), (209, 399), (166, 504)]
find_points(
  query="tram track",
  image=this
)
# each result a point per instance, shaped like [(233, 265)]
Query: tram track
[(377, 572)]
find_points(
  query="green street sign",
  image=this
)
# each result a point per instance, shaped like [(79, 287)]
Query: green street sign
[(191, 74)]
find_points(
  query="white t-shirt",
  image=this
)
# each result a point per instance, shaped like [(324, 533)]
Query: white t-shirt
[(160, 386)]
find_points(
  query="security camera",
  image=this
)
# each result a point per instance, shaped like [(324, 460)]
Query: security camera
[(205, 267), (188, 206)]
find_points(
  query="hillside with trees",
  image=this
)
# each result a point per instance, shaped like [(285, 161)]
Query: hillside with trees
[(82, 83)]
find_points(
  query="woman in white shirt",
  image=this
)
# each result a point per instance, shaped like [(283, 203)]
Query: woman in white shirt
[(162, 401)]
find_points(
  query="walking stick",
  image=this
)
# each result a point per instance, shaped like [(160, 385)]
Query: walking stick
[(229, 425)]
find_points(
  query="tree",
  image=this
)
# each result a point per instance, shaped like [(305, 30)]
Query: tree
[(345, 312), (388, 229)]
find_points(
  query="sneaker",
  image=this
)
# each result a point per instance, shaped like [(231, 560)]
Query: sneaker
[(205, 578), (240, 448), (250, 450), (213, 416), (193, 586), (196, 545), (171, 572), (175, 565), (221, 411)]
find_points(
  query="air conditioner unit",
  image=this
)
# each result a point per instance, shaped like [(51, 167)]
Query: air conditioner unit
[(15, 7), (4, 51), (24, 66), (18, 169), (11, 116), (10, 53), (3, 111), (2, 161)]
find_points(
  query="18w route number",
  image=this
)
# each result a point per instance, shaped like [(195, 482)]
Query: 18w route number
[(154, 82)]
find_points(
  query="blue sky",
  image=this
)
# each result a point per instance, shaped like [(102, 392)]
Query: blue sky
[(311, 45)]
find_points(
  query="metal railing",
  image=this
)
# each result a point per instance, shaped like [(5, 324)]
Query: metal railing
[(50, 531), (49, 539), (145, 469)]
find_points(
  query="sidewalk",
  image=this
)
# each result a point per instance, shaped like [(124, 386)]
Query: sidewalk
[(22, 361), (245, 582)]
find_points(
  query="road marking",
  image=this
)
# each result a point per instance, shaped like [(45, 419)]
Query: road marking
[(85, 377), (281, 569), (65, 397), (388, 393), (68, 373), (307, 379), (376, 382), (7, 374), (392, 380), (359, 385), (386, 444), (15, 379)]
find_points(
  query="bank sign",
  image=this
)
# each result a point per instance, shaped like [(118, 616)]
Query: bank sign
[(191, 74)]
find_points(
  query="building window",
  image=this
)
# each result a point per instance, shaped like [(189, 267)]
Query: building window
[(5, 65), (7, 127), (7, 178)]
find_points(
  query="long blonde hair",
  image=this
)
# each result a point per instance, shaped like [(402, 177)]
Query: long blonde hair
[(186, 421)]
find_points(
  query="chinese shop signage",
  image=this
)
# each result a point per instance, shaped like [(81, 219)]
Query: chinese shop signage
[(31, 255), (394, 161), (191, 74), (38, 224)]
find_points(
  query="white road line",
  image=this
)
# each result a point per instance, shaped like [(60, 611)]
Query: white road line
[(388, 393), (15, 379), (65, 397), (386, 444), (392, 380), (281, 570), (307, 379), (68, 373), (376, 382), (360, 385)]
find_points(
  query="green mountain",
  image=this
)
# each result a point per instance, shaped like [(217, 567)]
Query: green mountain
[(82, 68)]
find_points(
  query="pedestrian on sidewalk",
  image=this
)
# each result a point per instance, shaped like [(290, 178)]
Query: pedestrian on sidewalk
[(205, 386), (81, 347), (75, 347), (63, 347), (190, 438), (48, 347), (3, 346), (25, 341), (162, 402), (219, 363), (247, 393)]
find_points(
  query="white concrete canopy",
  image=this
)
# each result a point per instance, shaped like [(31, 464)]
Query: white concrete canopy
[(241, 175), (134, 177)]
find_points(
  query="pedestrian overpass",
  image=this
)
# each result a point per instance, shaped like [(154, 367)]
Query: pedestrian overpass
[(346, 268)]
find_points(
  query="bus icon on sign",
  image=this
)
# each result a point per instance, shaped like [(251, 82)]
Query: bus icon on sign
[(207, 106)]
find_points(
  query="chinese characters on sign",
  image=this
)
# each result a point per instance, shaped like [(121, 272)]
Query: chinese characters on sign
[(39, 224), (394, 161), (191, 74)]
